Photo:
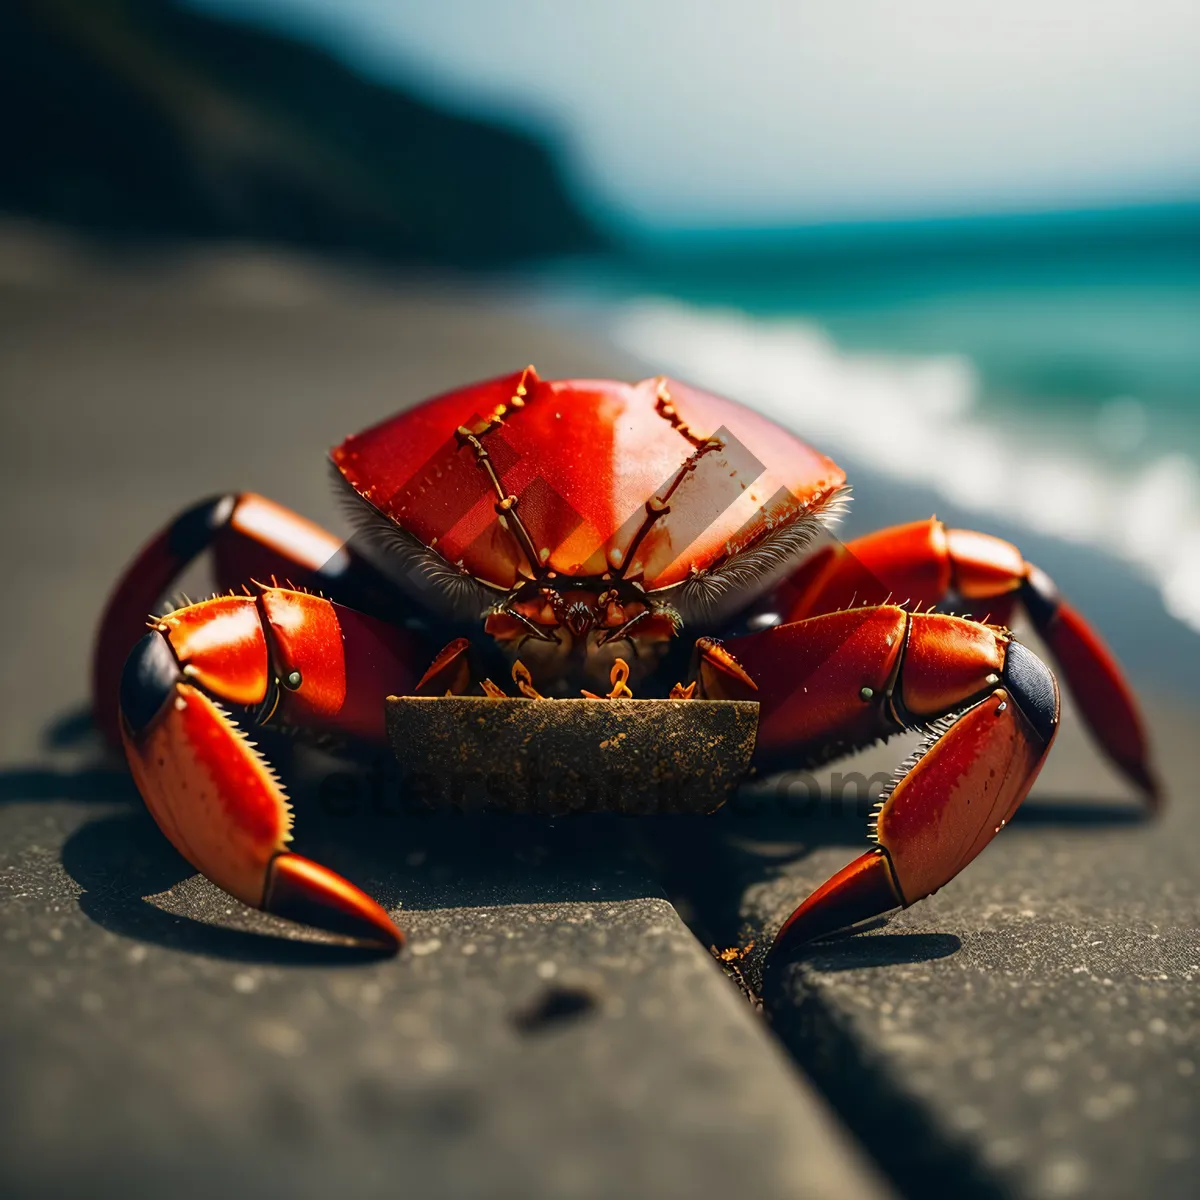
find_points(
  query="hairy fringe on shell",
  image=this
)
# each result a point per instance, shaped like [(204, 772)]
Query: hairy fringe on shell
[(408, 562), (712, 596)]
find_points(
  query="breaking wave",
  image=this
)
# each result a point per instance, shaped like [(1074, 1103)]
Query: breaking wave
[(920, 420)]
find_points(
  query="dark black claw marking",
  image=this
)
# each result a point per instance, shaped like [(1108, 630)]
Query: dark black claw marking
[(148, 681), (1040, 596), (192, 531), (1032, 686)]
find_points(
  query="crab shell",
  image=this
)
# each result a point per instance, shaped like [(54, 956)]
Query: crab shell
[(584, 459)]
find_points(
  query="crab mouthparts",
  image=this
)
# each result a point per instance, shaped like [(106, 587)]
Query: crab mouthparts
[(579, 618)]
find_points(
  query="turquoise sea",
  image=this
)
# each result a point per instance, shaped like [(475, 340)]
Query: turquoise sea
[(1044, 368)]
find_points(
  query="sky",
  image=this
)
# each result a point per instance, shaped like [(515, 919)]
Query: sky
[(684, 114)]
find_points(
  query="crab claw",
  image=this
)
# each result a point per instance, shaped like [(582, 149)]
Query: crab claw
[(214, 796), (960, 789), (301, 890), (863, 889)]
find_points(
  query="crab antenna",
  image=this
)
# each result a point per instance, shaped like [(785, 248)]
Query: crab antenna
[(506, 505), (659, 505)]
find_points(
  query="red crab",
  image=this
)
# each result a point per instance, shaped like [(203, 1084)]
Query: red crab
[(573, 523)]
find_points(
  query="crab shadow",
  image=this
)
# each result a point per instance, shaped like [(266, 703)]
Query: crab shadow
[(775, 980), (135, 884), (848, 952), (710, 865)]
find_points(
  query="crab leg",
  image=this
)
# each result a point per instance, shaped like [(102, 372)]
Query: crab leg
[(924, 563), (828, 684), (299, 659), (251, 537)]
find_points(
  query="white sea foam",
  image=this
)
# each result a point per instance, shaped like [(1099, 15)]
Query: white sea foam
[(919, 419)]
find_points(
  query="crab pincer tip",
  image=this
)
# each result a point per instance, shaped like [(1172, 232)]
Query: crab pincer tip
[(863, 889), (1148, 782), (304, 891)]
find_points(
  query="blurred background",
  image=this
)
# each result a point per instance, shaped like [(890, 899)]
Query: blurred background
[(957, 244)]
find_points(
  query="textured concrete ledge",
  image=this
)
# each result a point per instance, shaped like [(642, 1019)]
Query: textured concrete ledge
[(1031, 1030), (553, 1030)]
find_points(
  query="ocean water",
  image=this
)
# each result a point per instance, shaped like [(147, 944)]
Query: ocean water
[(1044, 370)]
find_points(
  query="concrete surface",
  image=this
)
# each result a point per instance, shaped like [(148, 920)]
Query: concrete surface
[(1034, 1028), (554, 1028)]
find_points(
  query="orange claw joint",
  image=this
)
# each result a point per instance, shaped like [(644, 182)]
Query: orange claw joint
[(926, 563), (252, 537), (953, 796)]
